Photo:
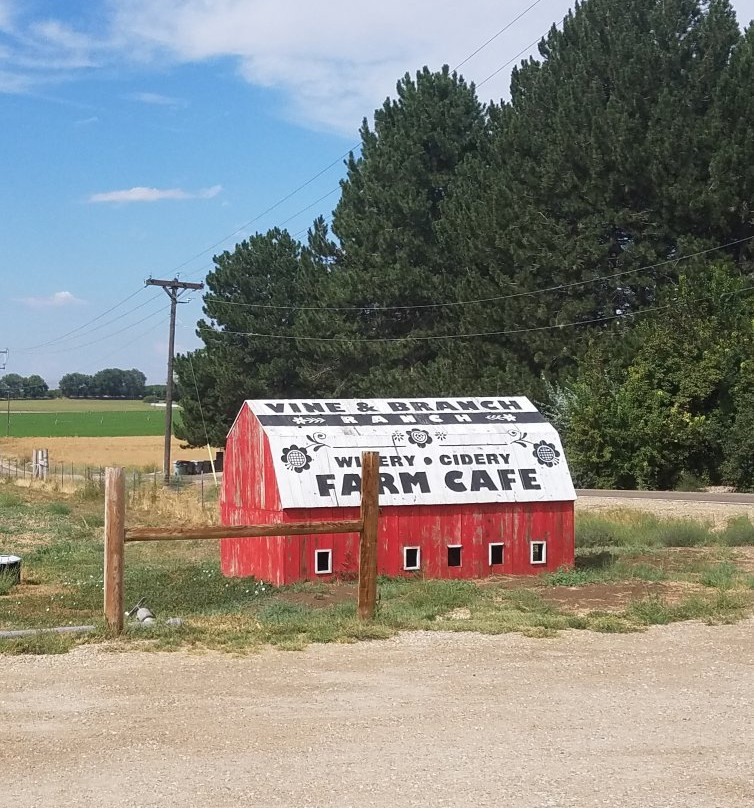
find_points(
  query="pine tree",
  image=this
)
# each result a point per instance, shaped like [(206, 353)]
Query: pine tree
[(389, 254)]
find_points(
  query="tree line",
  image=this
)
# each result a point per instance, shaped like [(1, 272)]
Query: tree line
[(588, 243), (14, 386)]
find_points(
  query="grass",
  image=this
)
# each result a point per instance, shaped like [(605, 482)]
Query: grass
[(739, 532), (60, 540), (96, 424), (634, 529)]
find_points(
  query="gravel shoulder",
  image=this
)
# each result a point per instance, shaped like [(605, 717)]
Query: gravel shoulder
[(662, 718)]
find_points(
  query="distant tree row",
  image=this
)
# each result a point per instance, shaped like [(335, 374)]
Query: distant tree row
[(14, 386), (107, 383)]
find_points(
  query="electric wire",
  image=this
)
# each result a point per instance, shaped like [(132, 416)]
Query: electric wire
[(83, 325), (518, 55), (424, 338), (495, 298), (499, 33), (350, 151)]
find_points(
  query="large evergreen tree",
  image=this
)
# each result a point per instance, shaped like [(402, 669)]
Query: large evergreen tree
[(389, 254)]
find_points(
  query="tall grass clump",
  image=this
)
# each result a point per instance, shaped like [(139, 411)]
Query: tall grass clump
[(739, 532), (683, 533)]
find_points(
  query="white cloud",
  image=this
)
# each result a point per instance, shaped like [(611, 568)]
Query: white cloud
[(142, 194), (332, 63), (56, 300), (157, 99)]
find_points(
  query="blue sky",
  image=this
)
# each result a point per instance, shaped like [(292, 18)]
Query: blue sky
[(140, 137)]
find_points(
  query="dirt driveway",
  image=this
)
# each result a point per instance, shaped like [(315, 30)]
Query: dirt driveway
[(657, 719)]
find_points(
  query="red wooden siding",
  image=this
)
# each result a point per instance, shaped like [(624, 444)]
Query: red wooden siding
[(250, 495)]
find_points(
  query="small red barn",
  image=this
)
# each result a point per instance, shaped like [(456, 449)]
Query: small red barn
[(468, 487)]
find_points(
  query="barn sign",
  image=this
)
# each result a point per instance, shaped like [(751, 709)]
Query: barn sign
[(432, 451)]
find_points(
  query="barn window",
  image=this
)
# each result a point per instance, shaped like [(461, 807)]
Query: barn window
[(411, 558), (454, 555), (496, 553), (539, 552), (323, 562)]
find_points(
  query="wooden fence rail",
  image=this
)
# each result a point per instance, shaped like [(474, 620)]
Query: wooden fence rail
[(117, 535)]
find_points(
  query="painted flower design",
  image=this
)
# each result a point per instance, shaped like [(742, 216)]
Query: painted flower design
[(296, 458), (419, 437), (546, 454)]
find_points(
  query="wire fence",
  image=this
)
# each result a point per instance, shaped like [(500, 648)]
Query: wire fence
[(72, 477)]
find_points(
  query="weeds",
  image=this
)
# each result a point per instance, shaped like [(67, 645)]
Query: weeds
[(633, 529), (739, 532)]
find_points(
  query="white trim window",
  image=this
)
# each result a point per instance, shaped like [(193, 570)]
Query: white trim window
[(412, 558), (538, 552), (323, 562), (497, 553)]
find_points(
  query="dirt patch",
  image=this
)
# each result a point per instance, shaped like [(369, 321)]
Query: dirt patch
[(614, 597), (743, 558), (345, 592)]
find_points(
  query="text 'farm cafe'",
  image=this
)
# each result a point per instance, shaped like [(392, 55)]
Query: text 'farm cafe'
[(469, 487)]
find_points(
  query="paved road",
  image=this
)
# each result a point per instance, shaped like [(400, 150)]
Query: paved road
[(661, 719), (672, 496)]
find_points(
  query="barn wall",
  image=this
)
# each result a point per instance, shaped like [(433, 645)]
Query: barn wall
[(249, 496), (431, 528)]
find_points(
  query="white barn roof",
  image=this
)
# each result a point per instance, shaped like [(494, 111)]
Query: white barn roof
[(432, 451)]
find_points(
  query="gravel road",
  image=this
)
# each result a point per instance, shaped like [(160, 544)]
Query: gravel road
[(658, 719)]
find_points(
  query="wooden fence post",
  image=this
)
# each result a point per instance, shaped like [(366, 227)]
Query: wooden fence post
[(115, 535), (370, 480)]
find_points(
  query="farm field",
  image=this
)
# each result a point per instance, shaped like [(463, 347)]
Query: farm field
[(97, 423), (139, 452), (61, 405), (90, 432)]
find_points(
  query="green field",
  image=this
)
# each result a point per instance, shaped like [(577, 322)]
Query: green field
[(81, 418), (100, 424)]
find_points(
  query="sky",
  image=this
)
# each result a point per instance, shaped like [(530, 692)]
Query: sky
[(141, 137)]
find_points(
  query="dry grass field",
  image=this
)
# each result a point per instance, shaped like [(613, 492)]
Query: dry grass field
[(141, 452)]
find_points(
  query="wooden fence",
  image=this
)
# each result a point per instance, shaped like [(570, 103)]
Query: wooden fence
[(117, 535)]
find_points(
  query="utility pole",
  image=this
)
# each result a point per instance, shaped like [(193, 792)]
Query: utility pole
[(3, 363), (173, 290)]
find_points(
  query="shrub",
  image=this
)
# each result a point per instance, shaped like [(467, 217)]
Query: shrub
[(688, 481), (683, 533)]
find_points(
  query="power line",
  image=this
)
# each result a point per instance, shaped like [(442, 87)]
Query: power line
[(96, 328), (499, 33), (519, 54), (352, 149), (494, 299), (506, 332), (108, 336), (84, 325), (277, 204)]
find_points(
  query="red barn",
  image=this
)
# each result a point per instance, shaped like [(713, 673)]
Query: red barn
[(468, 487)]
